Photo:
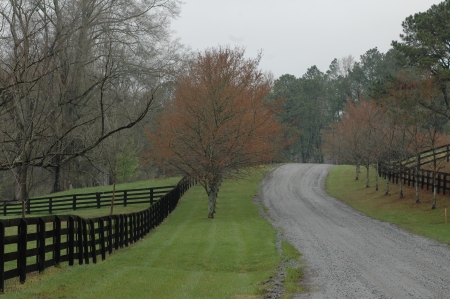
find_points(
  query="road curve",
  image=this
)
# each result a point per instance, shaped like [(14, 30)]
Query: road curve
[(347, 254)]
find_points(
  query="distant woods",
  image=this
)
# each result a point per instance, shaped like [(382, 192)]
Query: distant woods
[(382, 106), (317, 99)]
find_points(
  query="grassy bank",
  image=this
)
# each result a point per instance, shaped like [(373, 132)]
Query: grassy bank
[(188, 256), (416, 218)]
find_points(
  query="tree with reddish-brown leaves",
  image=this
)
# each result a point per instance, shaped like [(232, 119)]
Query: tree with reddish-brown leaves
[(217, 124), (358, 135)]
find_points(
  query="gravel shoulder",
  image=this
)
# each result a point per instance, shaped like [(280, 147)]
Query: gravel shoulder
[(347, 254)]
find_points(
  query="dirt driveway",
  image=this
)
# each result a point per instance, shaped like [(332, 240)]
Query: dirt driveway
[(349, 255)]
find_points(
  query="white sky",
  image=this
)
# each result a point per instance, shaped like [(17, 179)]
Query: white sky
[(295, 34)]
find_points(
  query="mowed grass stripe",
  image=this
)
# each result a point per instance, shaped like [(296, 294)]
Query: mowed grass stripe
[(188, 256)]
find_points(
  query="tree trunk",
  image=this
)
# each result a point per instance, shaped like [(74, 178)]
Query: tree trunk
[(367, 176), (387, 187), (357, 172), (387, 181), (433, 206), (23, 183), (376, 176), (113, 198), (212, 197), (416, 178), (212, 192), (400, 183), (57, 179), (416, 181)]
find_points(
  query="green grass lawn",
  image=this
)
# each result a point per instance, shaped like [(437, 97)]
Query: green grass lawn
[(417, 218), (188, 256)]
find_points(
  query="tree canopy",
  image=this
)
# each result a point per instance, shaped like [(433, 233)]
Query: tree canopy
[(217, 123), (425, 43)]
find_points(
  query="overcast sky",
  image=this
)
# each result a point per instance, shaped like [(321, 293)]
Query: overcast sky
[(295, 34)]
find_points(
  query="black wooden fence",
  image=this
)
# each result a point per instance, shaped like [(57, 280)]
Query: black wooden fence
[(425, 178), (33, 244), (426, 157), (51, 204)]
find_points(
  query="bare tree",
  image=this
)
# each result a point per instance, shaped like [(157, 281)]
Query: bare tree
[(67, 65)]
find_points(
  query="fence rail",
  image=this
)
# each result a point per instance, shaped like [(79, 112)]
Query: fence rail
[(425, 178), (440, 153), (51, 204), (33, 244)]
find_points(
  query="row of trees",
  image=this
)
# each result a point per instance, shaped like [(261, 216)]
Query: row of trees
[(73, 74), (315, 100), (407, 112)]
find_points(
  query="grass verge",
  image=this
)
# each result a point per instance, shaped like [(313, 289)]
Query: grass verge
[(293, 270), (189, 256), (416, 218)]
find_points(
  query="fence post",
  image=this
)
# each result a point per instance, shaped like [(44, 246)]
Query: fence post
[(152, 217), (423, 178), (28, 206), (445, 184), (132, 228), (85, 241), (71, 240), (57, 240), (138, 226), (97, 195), (124, 198), (438, 183), (4, 209), (147, 221), (122, 229), (74, 202), (448, 153), (151, 196), (110, 231), (41, 245), (50, 205), (80, 240), (116, 232), (125, 225), (22, 246), (101, 227), (2, 253), (92, 235), (141, 224)]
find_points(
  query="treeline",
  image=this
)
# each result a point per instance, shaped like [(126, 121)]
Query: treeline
[(78, 81), (385, 108), (315, 100)]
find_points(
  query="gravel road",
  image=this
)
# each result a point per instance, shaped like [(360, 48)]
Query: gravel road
[(347, 254)]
